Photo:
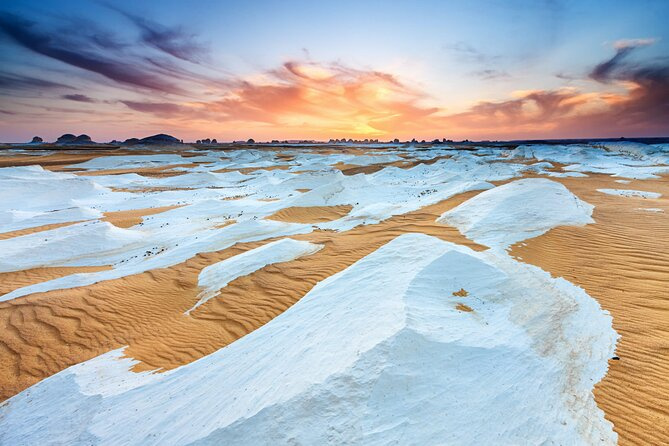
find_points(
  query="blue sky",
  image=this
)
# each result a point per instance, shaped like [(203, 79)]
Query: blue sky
[(217, 59)]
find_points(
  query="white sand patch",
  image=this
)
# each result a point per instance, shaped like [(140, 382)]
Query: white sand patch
[(517, 211), (217, 276), (374, 354), (630, 193)]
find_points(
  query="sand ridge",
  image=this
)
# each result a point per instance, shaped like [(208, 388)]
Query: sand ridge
[(145, 311), (34, 229), (311, 214), (621, 261), (129, 218)]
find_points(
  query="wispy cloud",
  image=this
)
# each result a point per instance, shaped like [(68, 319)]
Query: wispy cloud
[(163, 109), (633, 43), (603, 71), (66, 49), (155, 77), (10, 81), (175, 41), (490, 74), (78, 98)]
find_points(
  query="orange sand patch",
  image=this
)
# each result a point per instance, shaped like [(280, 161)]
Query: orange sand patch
[(461, 293), (147, 190), (311, 214), (354, 169), (18, 279), (44, 333), (285, 157), (20, 232), (622, 261), (53, 161), (153, 172), (247, 170), (303, 190), (463, 307), (62, 158), (127, 219)]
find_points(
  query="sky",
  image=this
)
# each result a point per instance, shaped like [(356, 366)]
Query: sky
[(271, 69)]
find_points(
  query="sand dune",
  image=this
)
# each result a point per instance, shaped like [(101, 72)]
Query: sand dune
[(311, 214), (247, 170), (622, 261), (153, 172), (145, 311), (127, 219), (20, 232)]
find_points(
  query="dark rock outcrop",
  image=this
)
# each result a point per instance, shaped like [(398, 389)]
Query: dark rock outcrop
[(36, 140), (160, 138), (67, 138), (83, 139)]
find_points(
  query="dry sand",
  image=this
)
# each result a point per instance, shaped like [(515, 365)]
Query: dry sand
[(17, 279), (44, 333), (622, 261), (154, 172), (127, 219), (247, 170), (20, 232), (311, 214)]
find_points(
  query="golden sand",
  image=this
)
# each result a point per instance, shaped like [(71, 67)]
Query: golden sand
[(20, 232), (127, 219), (247, 170), (462, 307), (44, 333), (622, 261), (17, 279), (461, 293), (153, 172), (311, 214)]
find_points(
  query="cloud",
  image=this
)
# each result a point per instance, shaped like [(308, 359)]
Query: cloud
[(174, 41), (78, 98), (157, 108), (633, 43), (469, 53), (58, 47), (603, 71), (490, 74), (647, 101), (301, 96), (9, 81), (307, 99)]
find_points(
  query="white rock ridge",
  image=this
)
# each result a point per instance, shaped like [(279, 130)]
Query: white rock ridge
[(379, 353), (630, 193), (517, 211), (217, 276)]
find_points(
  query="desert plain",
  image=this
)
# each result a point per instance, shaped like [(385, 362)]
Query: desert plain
[(335, 293)]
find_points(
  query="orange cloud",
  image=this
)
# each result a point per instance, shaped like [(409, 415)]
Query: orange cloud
[(309, 100)]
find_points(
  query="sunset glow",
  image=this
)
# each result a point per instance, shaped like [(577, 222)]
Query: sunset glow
[(233, 72)]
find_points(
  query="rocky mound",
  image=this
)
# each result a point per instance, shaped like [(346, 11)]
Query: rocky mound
[(161, 138)]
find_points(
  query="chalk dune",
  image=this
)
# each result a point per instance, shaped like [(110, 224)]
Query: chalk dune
[(199, 210)]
